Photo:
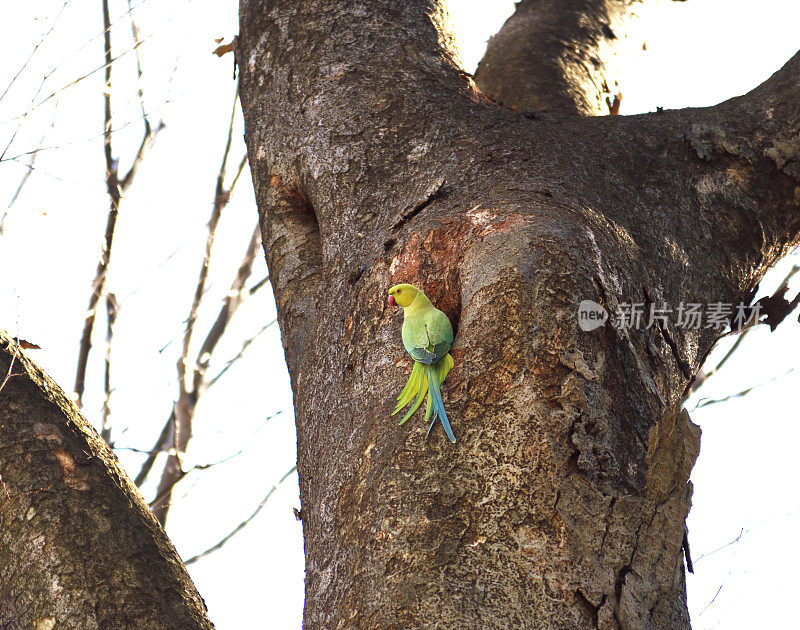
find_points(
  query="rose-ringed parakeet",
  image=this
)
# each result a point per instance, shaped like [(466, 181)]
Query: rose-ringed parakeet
[(427, 336)]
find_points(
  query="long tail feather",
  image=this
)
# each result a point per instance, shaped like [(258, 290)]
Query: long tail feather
[(413, 385), (429, 406), (426, 379), (435, 394), (421, 389)]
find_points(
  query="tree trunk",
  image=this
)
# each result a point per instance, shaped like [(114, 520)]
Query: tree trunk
[(79, 548), (376, 160)]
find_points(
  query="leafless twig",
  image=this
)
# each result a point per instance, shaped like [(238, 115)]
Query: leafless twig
[(193, 385), (220, 201), (182, 474), (258, 285), (161, 442), (244, 523), (114, 186), (35, 48), (112, 309), (9, 374), (703, 376), (191, 374), (28, 172), (744, 392), (713, 599), (720, 548), (35, 105), (165, 437), (241, 352)]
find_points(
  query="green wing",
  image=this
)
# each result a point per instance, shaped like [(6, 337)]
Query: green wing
[(427, 336), (415, 337), (440, 334)]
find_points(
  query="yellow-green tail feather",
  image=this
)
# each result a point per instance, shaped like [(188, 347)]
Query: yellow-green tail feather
[(417, 386), (412, 387)]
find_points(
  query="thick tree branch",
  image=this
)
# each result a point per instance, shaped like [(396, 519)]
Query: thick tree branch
[(78, 546), (558, 55)]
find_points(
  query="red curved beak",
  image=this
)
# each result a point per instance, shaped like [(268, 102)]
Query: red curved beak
[(391, 300)]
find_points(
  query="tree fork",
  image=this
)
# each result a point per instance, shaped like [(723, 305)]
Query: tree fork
[(376, 160)]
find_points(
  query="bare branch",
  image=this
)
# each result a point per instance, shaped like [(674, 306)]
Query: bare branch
[(163, 498), (161, 442), (727, 544), (220, 201), (259, 284), (114, 193), (244, 523), (22, 183), (232, 301), (713, 599), (86, 75), (188, 398), (136, 42), (241, 352), (72, 143), (740, 394), (114, 187), (173, 473), (703, 376), (191, 378), (35, 48), (146, 139), (112, 309), (9, 374), (22, 119), (156, 451)]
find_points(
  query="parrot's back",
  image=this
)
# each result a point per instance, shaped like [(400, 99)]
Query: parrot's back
[(427, 335)]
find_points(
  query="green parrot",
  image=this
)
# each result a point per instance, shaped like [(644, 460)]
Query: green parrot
[(427, 336)]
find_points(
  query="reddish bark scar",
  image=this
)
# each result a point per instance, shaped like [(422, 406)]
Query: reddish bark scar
[(431, 261), (74, 476)]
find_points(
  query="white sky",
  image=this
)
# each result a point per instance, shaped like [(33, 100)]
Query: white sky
[(698, 53)]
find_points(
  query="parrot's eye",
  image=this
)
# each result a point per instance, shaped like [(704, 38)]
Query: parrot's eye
[(398, 290)]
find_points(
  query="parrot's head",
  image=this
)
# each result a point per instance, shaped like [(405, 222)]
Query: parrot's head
[(402, 294)]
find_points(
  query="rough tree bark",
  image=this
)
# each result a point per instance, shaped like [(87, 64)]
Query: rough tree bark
[(377, 160), (558, 55), (79, 548)]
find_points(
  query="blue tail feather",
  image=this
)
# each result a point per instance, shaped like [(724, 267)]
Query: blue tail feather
[(438, 404)]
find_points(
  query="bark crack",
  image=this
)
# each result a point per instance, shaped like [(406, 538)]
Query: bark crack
[(683, 366), (434, 192), (594, 611), (608, 522)]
